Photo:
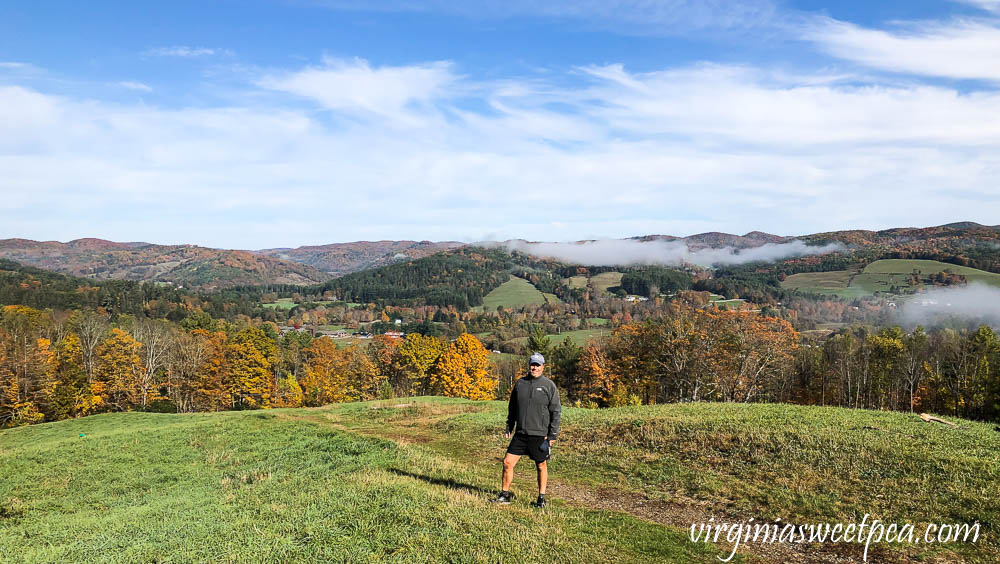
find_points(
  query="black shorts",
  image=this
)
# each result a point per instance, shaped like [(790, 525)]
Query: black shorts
[(537, 448)]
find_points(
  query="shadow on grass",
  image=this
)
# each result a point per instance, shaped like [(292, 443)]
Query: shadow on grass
[(446, 482)]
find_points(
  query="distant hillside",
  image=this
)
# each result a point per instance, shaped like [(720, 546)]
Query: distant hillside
[(38, 288), (716, 240), (460, 277), (339, 259), (963, 243), (185, 265)]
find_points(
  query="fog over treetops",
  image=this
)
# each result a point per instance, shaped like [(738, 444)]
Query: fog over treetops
[(615, 252), (972, 304)]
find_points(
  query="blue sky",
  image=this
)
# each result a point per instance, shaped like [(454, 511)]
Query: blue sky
[(283, 123)]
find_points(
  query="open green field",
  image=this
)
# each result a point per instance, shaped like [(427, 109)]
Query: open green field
[(722, 303), (578, 337), (601, 282), (289, 303), (729, 304), (282, 303), (409, 479), (818, 281), (513, 293), (879, 276), (551, 298)]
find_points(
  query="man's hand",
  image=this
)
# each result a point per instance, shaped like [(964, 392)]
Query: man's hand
[(506, 434)]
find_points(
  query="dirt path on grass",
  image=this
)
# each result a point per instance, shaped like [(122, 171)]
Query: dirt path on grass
[(678, 513)]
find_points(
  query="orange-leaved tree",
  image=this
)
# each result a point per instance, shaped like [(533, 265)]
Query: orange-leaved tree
[(325, 379)]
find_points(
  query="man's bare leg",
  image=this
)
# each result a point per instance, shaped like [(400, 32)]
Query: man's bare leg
[(543, 476), (507, 478)]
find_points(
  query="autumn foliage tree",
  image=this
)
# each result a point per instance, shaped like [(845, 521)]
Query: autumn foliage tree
[(250, 359), (417, 356), (464, 371), (325, 379), (120, 384)]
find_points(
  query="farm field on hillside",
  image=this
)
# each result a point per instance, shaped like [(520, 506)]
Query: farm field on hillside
[(551, 298), (513, 293), (818, 281), (601, 282), (879, 276), (897, 267), (282, 303)]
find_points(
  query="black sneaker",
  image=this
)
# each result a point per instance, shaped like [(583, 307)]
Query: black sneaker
[(540, 502), (503, 499)]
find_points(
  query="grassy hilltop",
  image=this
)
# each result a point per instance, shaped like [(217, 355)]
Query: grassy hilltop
[(407, 480)]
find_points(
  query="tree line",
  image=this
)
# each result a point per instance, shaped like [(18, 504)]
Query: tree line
[(688, 353), (56, 366)]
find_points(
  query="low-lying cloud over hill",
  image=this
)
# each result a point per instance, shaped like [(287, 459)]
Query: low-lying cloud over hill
[(614, 252), (973, 304)]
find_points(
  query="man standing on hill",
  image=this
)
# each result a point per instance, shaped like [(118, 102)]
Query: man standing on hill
[(534, 412)]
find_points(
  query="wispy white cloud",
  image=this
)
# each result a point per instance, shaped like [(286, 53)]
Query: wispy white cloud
[(960, 48), (19, 68), (186, 51), (988, 5), (423, 151), (643, 17), (617, 252), (132, 85), (397, 93)]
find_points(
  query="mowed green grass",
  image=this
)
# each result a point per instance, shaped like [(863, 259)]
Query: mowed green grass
[(879, 276), (803, 464), (281, 486), (409, 481), (514, 293)]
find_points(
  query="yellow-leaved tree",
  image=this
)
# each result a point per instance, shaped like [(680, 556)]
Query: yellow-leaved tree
[(417, 355), (250, 360), (119, 372), (464, 371)]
